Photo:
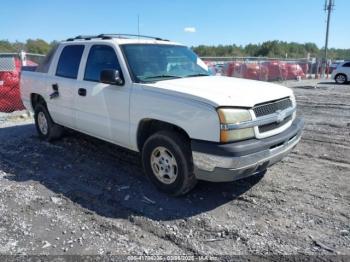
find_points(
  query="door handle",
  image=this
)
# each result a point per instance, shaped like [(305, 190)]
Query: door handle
[(82, 91), (55, 93)]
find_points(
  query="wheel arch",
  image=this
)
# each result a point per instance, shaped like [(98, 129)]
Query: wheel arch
[(36, 99), (149, 126)]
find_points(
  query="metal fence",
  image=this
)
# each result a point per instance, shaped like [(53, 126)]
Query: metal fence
[(11, 66), (265, 69)]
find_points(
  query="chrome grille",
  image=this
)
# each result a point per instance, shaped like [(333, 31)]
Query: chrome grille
[(272, 107), (269, 108), (275, 125)]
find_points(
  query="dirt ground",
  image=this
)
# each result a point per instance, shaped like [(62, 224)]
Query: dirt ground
[(80, 195)]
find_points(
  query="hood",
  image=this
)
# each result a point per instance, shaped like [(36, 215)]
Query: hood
[(222, 91)]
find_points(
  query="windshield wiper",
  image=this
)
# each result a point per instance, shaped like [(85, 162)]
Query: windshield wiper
[(162, 76), (196, 75)]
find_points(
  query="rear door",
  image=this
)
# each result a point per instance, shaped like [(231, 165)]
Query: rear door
[(62, 84)]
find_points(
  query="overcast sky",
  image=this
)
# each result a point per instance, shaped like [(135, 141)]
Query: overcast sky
[(191, 22)]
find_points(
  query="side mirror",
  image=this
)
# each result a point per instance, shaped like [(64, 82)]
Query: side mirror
[(112, 77)]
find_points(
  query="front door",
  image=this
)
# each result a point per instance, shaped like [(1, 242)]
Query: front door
[(102, 110)]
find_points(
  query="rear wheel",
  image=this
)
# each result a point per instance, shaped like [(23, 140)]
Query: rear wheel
[(167, 161), (341, 79), (46, 128)]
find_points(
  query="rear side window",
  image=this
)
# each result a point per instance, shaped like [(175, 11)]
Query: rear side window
[(45, 65), (68, 64), (100, 57), (346, 65)]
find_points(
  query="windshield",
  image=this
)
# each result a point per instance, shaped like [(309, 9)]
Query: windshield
[(150, 62)]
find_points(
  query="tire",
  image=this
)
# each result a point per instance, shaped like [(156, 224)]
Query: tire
[(158, 154), (46, 128), (341, 79)]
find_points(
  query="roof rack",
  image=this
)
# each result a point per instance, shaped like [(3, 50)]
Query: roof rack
[(82, 37), (111, 36)]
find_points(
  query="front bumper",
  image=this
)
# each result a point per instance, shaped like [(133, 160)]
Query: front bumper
[(229, 162)]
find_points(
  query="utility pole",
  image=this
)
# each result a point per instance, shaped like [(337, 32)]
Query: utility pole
[(328, 7)]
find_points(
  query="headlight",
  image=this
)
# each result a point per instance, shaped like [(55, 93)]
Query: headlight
[(229, 116)]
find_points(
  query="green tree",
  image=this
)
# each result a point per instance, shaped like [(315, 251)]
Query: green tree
[(6, 47), (37, 46), (277, 49)]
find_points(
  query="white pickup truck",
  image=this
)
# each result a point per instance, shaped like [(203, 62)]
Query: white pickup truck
[(156, 97)]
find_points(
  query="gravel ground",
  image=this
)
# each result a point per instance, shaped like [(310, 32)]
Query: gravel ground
[(80, 195)]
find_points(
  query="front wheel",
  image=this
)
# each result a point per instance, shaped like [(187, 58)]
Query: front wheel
[(167, 161), (46, 128), (341, 79)]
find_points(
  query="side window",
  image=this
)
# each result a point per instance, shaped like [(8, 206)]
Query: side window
[(44, 66), (100, 57), (68, 64), (346, 65)]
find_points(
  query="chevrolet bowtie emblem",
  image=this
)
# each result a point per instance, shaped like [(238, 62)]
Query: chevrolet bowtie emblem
[(280, 116)]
